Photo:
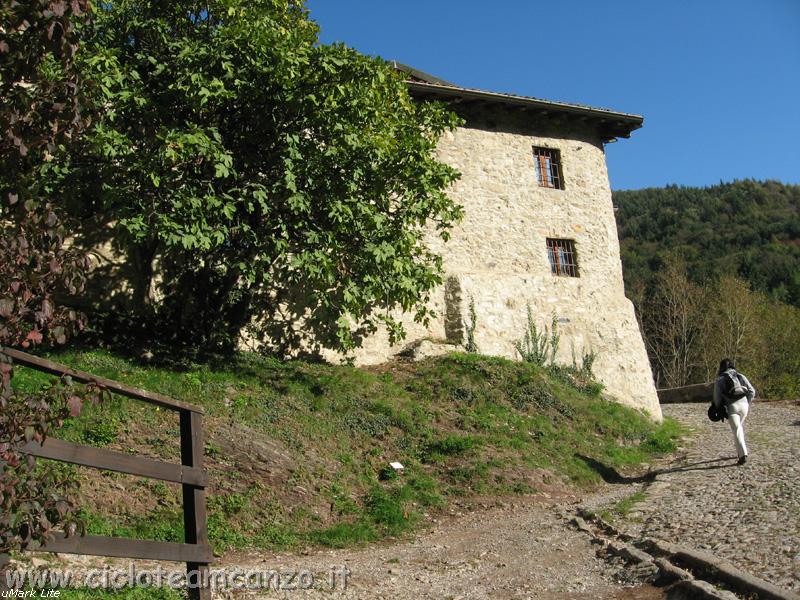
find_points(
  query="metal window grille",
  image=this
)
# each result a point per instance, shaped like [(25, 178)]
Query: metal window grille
[(562, 257), (548, 168)]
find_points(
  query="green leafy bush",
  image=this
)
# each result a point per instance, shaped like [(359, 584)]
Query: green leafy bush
[(450, 445), (538, 347)]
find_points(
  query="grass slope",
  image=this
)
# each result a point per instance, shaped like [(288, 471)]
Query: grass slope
[(298, 452)]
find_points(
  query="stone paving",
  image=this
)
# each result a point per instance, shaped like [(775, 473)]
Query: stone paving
[(749, 514)]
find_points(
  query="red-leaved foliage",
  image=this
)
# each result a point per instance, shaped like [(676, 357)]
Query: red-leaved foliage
[(34, 266), (41, 110)]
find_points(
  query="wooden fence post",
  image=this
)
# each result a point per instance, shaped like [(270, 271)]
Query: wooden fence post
[(194, 503), (195, 551)]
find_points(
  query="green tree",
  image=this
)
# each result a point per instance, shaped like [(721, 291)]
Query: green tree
[(749, 229), (778, 327), (250, 171), (740, 243), (731, 320)]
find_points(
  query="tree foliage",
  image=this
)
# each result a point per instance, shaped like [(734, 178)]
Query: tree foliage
[(42, 110), (251, 171), (40, 114), (715, 272), (688, 327), (732, 320), (36, 499), (34, 266), (748, 229), (673, 321), (42, 100)]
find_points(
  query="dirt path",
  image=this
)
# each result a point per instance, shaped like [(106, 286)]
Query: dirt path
[(526, 550), (511, 551), (749, 515)]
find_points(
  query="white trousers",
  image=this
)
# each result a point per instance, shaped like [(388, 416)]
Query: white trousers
[(737, 413)]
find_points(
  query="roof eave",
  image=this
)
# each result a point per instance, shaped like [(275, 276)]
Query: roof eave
[(613, 124), (419, 76)]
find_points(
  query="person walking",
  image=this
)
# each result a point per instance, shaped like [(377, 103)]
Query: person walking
[(735, 392)]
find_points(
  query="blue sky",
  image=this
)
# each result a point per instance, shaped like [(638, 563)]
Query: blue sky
[(718, 81)]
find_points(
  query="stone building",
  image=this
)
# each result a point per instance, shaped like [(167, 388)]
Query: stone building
[(538, 231)]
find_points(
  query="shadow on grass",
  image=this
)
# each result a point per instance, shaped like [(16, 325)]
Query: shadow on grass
[(611, 475)]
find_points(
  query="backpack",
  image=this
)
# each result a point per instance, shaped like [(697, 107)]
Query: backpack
[(733, 387)]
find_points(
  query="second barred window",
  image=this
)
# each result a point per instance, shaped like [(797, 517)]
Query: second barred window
[(562, 257)]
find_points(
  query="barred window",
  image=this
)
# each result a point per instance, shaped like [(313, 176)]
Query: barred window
[(548, 168), (562, 257)]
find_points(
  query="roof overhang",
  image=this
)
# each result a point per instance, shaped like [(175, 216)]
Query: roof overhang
[(609, 124)]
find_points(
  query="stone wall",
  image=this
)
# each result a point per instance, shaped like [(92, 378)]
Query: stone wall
[(497, 255)]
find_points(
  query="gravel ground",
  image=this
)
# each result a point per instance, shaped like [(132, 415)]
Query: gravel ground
[(509, 551), (749, 514), (525, 550)]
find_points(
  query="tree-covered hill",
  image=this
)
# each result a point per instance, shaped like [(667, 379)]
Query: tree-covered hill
[(746, 228), (715, 272)]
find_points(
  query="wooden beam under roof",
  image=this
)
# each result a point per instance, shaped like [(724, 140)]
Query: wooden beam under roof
[(623, 123)]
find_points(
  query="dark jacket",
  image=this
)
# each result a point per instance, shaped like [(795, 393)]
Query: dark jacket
[(718, 387)]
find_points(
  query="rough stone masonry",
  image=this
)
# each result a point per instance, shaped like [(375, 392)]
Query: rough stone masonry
[(498, 255)]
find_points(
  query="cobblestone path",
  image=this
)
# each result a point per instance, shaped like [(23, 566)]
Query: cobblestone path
[(749, 514)]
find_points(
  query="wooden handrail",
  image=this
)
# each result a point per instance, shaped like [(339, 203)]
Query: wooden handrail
[(195, 551), (53, 368), (98, 545), (99, 458)]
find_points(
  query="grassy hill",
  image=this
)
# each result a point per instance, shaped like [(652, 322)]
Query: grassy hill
[(298, 452)]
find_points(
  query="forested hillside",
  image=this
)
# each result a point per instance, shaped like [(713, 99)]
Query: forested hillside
[(747, 228), (715, 272)]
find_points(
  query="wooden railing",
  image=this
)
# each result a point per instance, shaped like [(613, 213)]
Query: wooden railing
[(195, 551)]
